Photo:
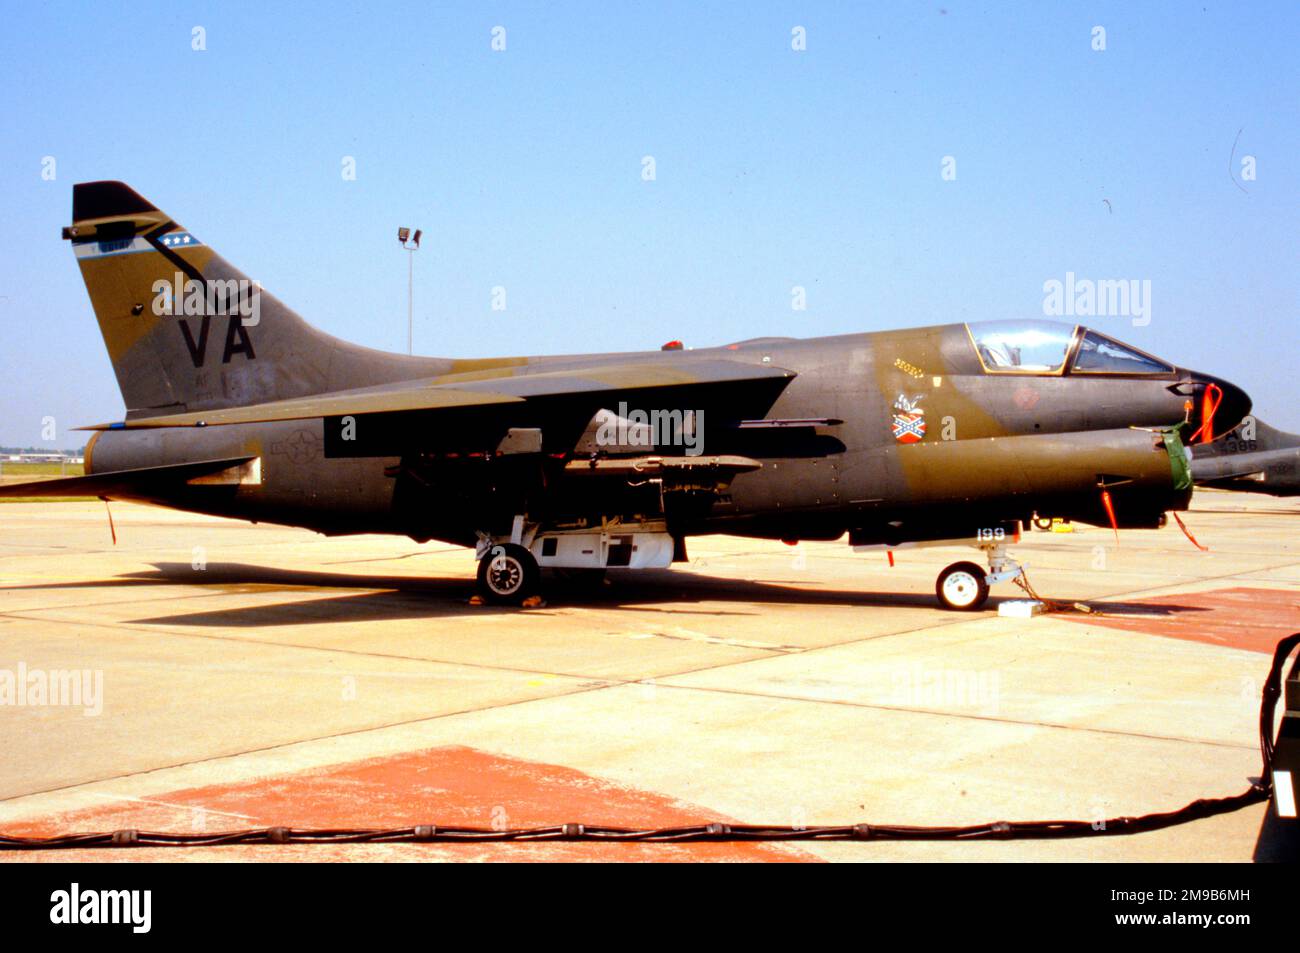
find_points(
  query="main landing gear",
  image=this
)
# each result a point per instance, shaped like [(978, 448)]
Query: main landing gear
[(508, 574), (964, 587)]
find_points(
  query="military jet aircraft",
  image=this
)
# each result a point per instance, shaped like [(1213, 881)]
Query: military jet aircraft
[(1252, 456), (237, 407)]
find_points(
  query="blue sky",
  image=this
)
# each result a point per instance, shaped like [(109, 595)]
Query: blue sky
[(774, 169)]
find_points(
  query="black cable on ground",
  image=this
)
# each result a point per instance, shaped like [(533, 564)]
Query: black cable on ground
[(1260, 790)]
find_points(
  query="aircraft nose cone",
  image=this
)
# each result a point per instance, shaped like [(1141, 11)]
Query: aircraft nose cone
[(1233, 406)]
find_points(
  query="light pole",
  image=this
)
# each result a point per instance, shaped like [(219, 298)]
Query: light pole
[(411, 247)]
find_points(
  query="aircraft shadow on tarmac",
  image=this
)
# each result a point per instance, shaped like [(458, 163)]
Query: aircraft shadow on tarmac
[(433, 596), (1141, 610), (395, 597)]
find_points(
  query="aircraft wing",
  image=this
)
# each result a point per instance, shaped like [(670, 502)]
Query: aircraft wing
[(143, 483), (747, 385), (1240, 466), (1240, 473), (365, 401)]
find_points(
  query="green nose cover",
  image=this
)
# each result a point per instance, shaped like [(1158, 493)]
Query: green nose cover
[(1178, 462)]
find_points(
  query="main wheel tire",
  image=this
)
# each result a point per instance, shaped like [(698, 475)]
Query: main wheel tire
[(507, 574), (962, 587), (1043, 522)]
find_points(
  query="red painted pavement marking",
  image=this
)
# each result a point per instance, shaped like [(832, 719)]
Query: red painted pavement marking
[(1239, 618), (453, 786)]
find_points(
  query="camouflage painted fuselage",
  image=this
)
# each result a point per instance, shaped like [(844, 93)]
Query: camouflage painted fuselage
[(893, 436), (977, 448)]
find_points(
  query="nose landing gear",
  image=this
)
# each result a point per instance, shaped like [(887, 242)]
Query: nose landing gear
[(964, 587)]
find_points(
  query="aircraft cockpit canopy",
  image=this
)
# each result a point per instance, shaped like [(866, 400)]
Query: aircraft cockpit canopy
[(1027, 346), (1034, 346)]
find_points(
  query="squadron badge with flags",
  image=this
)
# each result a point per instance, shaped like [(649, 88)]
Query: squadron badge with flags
[(909, 421)]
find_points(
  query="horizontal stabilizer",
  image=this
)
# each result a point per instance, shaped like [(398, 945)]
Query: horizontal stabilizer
[(139, 484)]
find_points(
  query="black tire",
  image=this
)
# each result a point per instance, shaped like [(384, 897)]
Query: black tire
[(962, 587), (1042, 522), (507, 574)]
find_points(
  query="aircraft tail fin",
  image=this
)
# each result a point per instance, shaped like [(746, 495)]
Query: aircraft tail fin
[(187, 331)]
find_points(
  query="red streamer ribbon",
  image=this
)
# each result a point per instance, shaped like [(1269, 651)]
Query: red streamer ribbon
[(1187, 533), (1110, 511)]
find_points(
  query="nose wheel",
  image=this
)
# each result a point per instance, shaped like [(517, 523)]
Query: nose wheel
[(965, 586), (962, 587), (507, 574)]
